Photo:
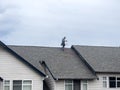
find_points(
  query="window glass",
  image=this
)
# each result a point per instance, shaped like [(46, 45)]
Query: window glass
[(104, 82), (68, 85), (7, 88), (104, 78), (118, 82), (118, 78), (84, 84), (68, 81), (7, 82), (27, 85), (112, 82), (112, 78), (17, 85), (27, 82), (85, 81), (6, 85)]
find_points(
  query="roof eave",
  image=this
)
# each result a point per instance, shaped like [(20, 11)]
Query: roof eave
[(77, 78), (107, 72)]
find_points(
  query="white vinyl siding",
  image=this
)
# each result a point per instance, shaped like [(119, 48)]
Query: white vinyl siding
[(13, 69), (59, 85)]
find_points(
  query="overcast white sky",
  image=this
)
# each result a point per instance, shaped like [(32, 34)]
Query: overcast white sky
[(46, 22)]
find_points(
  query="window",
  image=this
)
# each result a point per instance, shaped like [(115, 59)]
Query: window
[(18, 85), (84, 85), (114, 82), (105, 82), (68, 84), (27, 85), (6, 85), (118, 82)]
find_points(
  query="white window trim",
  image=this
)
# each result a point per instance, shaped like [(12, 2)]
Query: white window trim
[(65, 84)]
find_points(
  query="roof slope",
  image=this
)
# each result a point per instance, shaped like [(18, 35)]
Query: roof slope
[(63, 64), (101, 59)]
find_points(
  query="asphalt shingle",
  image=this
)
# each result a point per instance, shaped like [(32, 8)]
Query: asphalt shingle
[(100, 58), (63, 64)]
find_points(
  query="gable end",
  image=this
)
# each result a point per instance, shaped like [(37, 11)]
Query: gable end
[(21, 59)]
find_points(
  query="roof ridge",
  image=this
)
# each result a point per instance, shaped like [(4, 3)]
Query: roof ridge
[(97, 46), (35, 46)]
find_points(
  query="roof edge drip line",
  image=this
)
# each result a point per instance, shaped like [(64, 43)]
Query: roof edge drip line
[(84, 61), (43, 62)]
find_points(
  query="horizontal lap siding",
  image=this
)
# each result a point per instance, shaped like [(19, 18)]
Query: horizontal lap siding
[(59, 85), (13, 69)]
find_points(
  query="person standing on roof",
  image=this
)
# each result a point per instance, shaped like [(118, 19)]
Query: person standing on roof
[(63, 42)]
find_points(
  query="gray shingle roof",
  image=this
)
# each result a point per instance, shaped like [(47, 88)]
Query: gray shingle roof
[(101, 59), (63, 64)]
